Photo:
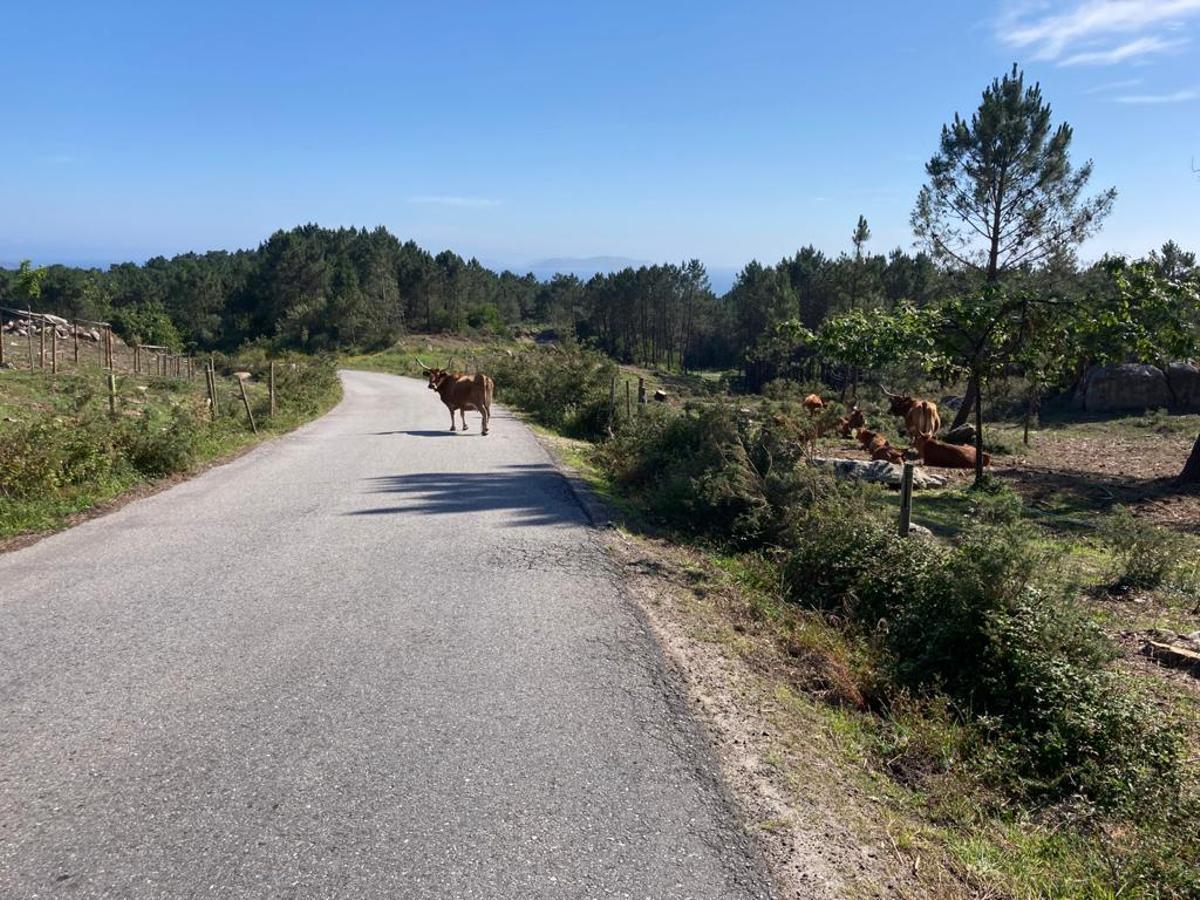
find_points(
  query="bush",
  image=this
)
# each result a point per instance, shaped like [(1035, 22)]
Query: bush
[(1147, 555), (155, 447), (968, 621), (564, 390), (41, 457), (715, 471)]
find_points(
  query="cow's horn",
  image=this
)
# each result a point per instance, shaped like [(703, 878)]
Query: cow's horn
[(885, 390), (421, 364)]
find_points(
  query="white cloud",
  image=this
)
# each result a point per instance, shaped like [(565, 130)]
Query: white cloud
[(1097, 32), (443, 200), (1110, 86), (1182, 96), (1135, 49)]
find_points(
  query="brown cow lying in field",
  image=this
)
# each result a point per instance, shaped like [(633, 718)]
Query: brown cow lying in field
[(947, 456), (813, 403), (879, 447), (851, 422), (460, 392), (920, 416)]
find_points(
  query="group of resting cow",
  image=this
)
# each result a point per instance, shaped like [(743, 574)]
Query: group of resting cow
[(921, 423)]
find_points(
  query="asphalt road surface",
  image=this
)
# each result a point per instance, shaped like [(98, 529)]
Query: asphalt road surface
[(369, 659)]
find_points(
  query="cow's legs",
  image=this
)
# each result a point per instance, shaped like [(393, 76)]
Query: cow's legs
[(487, 417), (463, 413), (452, 427)]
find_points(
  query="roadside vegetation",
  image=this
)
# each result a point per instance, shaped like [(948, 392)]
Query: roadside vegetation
[(64, 450)]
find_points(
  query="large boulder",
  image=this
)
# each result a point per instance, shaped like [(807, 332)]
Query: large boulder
[(878, 470), (1131, 386), (1184, 381)]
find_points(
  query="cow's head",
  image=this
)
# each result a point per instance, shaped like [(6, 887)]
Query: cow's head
[(856, 418), (437, 377), (899, 403)]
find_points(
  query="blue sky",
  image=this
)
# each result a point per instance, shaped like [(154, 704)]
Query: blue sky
[(519, 131)]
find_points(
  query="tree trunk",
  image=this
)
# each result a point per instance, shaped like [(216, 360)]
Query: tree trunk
[(964, 411), (978, 433), (1191, 470), (1031, 401)]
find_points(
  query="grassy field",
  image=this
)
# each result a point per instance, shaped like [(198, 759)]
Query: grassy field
[(64, 451)]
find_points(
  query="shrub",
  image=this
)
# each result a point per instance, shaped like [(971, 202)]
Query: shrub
[(968, 621), (1146, 554), (564, 390), (40, 457), (715, 471), (155, 447)]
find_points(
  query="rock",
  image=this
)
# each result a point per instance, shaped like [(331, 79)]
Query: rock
[(951, 402), (660, 395), (1131, 386), (1173, 655), (55, 320), (962, 435), (1183, 379), (878, 471), (919, 531), (242, 376)]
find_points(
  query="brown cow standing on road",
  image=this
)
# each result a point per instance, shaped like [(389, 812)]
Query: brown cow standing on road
[(460, 392), (920, 416)]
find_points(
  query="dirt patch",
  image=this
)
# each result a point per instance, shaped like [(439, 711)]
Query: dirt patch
[(821, 830)]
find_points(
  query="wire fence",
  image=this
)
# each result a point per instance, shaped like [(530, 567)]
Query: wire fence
[(44, 342)]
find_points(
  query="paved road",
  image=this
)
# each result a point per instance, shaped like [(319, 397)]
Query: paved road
[(370, 659)]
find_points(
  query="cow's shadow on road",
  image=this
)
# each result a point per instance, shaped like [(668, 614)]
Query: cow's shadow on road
[(533, 494), (425, 433)]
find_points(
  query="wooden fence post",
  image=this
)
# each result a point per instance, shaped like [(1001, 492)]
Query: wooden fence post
[(628, 407), (75, 335), (42, 346), (271, 388), (641, 390), (246, 403), (906, 490), (112, 394), (1, 342), (211, 384), (29, 335), (54, 351)]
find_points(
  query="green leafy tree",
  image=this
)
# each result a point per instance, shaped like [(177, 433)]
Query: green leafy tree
[(27, 286), (1002, 195)]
